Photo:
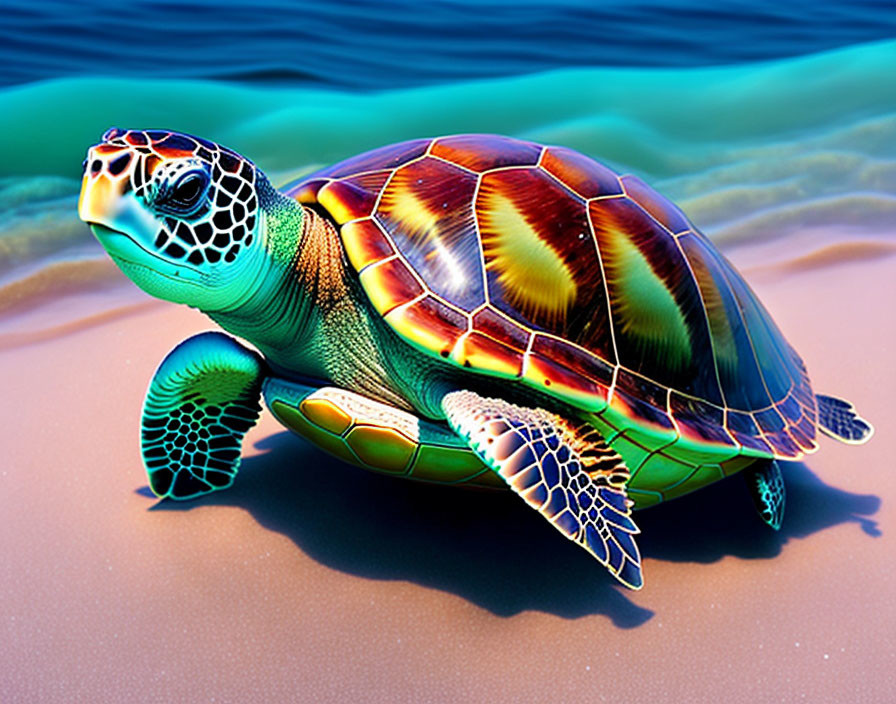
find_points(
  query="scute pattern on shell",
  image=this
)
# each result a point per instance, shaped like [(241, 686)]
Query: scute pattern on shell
[(537, 264)]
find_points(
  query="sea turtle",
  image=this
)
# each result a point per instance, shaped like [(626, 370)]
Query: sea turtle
[(471, 308)]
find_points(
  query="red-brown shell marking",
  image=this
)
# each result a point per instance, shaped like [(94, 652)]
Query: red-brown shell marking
[(537, 264)]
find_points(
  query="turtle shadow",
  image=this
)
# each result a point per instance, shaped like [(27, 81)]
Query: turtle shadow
[(719, 520), (487, 546)]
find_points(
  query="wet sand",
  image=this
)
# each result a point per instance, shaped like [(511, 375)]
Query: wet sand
[(313, 581)]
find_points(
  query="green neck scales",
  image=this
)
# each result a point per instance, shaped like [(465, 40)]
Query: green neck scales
[(304, 312), (277, 312)]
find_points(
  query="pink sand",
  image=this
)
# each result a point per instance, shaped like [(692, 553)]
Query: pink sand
[(313, 581)]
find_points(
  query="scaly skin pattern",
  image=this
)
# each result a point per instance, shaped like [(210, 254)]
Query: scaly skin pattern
[(528, 273)]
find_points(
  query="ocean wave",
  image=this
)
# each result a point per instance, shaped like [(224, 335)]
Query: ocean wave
[(749, 152), (662, 123)]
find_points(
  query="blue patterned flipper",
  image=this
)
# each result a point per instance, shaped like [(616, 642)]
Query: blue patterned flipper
[(562, 469), (203, 399), (839, 419)]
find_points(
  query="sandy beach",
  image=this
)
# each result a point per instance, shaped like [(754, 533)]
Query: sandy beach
[(311, 580), (771, 125)]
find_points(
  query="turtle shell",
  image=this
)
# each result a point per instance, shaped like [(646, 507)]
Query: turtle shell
[(541, 266)]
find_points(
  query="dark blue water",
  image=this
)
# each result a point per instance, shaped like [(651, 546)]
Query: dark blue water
[(362, 44)]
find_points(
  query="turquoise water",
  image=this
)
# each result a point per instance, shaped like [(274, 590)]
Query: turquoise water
[(755, 150)]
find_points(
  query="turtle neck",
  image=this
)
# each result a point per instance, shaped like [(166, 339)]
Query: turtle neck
[(306, 313), (279, 309)]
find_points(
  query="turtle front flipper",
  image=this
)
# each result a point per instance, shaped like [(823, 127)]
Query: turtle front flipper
[(203, 399), (767, 489), (839, 419), (563, 469)]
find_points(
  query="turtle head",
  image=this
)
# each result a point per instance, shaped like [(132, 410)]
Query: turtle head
[(178, 214)]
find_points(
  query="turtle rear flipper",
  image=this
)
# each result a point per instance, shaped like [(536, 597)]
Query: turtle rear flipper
[(203, 399), (767, 489), (839, 419)]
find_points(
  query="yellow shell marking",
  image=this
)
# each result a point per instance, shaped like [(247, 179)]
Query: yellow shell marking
[(415, 217), (422, 227), (534, 277), (646, 308)]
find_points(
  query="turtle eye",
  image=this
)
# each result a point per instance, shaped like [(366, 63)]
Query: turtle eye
[(189, 188), (185, 195)]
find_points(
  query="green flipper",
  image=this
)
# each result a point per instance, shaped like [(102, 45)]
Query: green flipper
[(563, 469), (767, 489), (201, 402)]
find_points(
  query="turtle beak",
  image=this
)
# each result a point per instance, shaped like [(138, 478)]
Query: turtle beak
[(108, 200), (103, 203), (120, 221), (97, 199), (98, 191)]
